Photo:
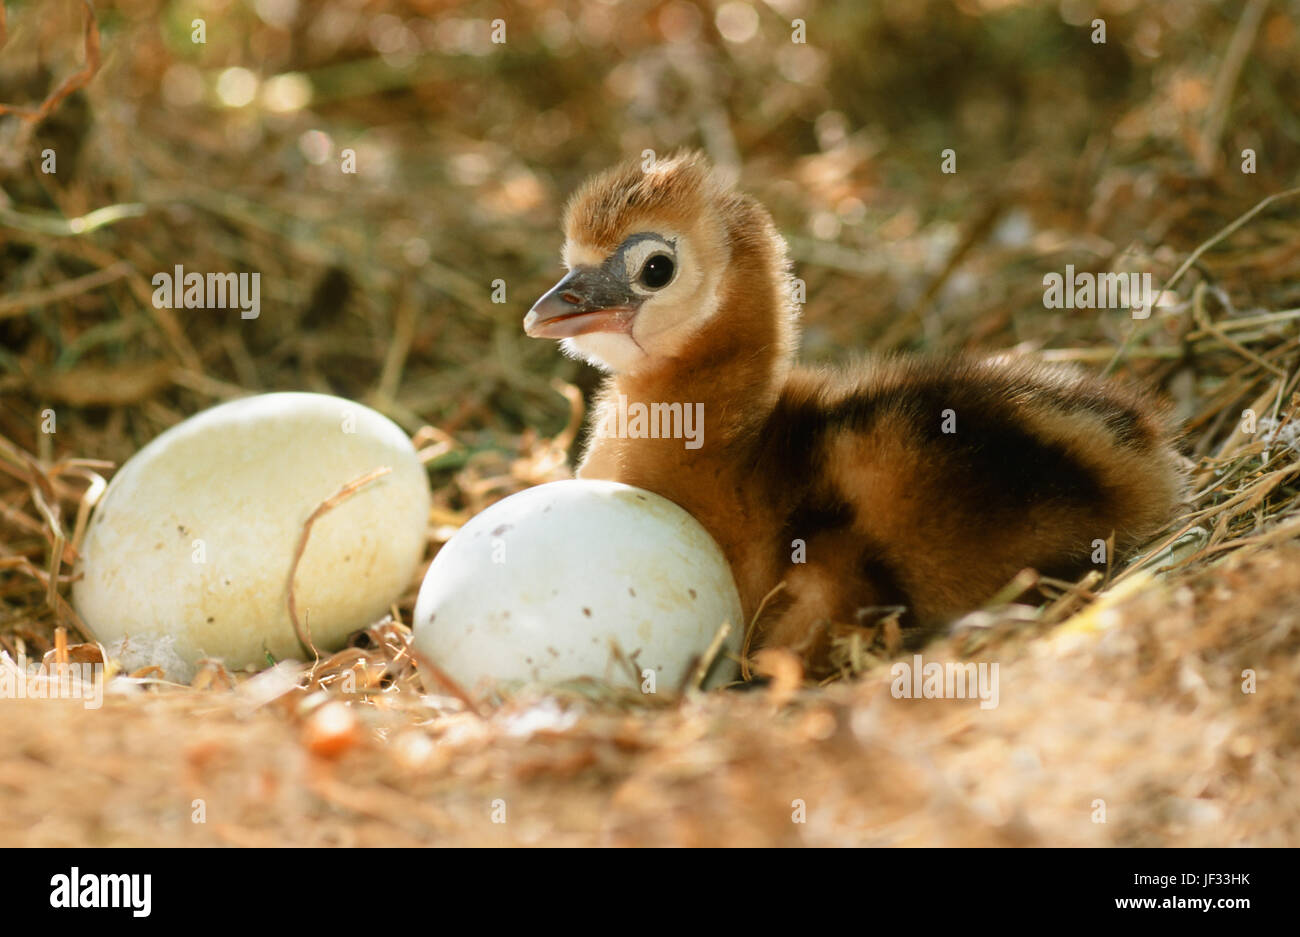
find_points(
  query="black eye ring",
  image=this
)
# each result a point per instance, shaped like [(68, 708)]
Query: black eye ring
[(657, 272)]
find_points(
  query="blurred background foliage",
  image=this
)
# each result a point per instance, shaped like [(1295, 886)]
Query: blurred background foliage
[(377, 285)]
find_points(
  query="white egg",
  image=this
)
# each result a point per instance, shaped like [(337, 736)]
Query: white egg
[(542, 585), (189, 552)]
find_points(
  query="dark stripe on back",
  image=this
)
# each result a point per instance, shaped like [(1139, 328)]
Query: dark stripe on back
[(991, 456), (880, 576), (814, 515), (792, 439)]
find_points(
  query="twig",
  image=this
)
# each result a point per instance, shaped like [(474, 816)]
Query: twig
[(753, 625), (347, 491), (1191, 259), (16, 305), (74, 82), (441, 676), (1249, 322), (706, 660), (1202, 318), (1073, 593), (1019, 584), (399, 347), (89, 498), (1229, 230), (1243, 38), (57, 226)]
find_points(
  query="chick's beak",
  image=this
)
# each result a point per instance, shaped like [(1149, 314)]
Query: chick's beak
[(588, 299)]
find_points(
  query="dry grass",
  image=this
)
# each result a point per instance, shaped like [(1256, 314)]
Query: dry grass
[(1124, 688)]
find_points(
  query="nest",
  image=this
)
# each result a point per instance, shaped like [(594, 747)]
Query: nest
[(1150, 703)]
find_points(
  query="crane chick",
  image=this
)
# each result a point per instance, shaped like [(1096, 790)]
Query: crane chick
[(916, 484)]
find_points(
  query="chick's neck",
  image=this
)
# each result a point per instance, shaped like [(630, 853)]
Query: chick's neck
[(734, 367), (732, 370)]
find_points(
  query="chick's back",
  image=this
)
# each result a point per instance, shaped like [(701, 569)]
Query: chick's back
[(930, 484)]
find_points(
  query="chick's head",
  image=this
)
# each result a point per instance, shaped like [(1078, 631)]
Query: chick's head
[(647, 252)]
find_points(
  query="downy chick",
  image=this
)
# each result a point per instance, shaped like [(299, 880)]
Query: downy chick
[(917, 483)]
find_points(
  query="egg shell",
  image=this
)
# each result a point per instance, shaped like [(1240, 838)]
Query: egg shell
[(189, 551), (536, 587)]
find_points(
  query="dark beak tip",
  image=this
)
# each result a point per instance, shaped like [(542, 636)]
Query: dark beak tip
[(572, 307), (534, 316)]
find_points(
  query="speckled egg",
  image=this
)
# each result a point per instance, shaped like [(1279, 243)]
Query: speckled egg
[(555, 582), (188, 553)]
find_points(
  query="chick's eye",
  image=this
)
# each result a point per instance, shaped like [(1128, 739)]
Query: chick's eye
[(656, 273)]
